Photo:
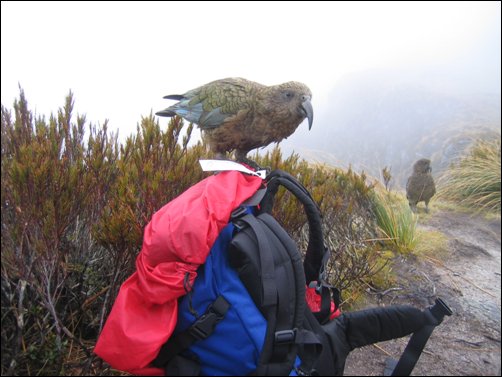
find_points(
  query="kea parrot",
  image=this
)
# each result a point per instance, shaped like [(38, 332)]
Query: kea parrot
[(420, 186), (240, 115)]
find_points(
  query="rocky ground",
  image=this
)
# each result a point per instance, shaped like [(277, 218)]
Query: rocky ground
[(468, 278)]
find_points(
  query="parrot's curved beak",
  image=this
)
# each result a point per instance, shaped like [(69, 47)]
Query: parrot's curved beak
[(309, 111)]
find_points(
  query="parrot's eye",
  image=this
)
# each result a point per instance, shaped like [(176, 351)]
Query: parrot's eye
[(288, 94)]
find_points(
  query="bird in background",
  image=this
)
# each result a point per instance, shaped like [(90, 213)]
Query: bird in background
[(420, 186), (239, 115)]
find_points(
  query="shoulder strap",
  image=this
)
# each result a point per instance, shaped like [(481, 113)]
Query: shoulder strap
[(305, 334), (316, 248), (258, 238), (264, 256), (317, 255)]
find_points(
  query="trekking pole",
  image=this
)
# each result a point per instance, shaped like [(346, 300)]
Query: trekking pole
[(417, 342)]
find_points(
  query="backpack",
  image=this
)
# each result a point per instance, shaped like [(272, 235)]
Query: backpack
[(247, 310), (221, 289)]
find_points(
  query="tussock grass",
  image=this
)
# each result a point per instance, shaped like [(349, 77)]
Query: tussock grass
[(474, 181), (396, 221)]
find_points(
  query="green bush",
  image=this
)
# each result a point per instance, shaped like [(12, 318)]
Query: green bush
[(53, 190), (153, 169), (74, 206)]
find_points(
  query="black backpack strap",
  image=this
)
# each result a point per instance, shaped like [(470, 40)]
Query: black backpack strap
[(280, 325), (317, 358), (285, 319), (316, 248), (200, 329), (324, 291), (317, 255), (292, 333), (417, 341), (266, 259), (296, 260)]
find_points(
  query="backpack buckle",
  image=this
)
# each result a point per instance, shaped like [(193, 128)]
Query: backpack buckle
[(236, 217), (238, 213), (285, 336), (205, 324)]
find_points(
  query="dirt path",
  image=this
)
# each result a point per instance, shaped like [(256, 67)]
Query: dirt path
[(468, 278)]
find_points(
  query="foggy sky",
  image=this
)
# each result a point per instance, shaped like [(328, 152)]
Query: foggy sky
[(120, 59)]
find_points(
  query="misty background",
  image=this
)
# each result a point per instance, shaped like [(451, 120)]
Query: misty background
[(392, 82), (391, 117)]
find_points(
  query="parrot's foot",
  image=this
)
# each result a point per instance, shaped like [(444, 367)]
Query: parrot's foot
[(253, 165), (249, 162)]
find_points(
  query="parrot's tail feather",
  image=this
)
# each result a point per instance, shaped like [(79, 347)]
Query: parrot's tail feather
[(177, 97), (165, 113)]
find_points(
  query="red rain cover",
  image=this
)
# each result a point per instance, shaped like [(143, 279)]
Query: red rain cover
[(176, 241)]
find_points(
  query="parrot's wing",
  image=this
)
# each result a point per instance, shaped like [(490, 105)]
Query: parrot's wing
[(212, 119), (212, 104), (194, 112), (219, 101), (191, 112)]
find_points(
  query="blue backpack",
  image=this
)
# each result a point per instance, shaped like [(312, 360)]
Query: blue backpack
[(246, 312)]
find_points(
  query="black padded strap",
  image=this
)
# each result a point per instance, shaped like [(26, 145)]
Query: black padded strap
[(317, 255), (296, 260), (266, 261), (316, 248), (274, 285)]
